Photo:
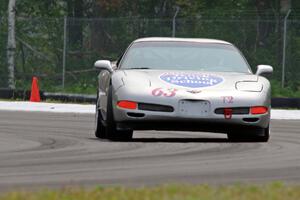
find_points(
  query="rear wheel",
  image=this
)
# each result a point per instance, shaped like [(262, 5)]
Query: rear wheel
[(111, 131), (257, 135)]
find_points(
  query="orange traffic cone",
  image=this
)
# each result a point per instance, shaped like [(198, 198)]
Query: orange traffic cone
[(35, 92)]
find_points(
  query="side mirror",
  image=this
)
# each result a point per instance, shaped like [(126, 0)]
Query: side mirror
[(103, 65), (264, 70)]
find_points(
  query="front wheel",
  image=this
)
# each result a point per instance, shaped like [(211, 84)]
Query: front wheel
[(100, 130), (111, 131), (257, 135)]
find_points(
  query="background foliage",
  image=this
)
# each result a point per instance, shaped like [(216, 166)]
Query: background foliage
[(102, 29)]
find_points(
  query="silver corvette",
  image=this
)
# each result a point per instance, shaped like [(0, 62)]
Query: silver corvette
[(182, 84)]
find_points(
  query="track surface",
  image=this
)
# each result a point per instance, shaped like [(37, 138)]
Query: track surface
[(53, 150)]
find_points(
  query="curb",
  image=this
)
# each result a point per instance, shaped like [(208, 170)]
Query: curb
[(276, 102)]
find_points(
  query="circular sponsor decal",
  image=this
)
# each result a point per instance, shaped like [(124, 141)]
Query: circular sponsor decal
[(191, 80)]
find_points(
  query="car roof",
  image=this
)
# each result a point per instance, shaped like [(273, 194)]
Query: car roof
[(171, 39)]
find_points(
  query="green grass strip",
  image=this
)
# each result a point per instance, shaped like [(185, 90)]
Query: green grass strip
[(272, 191)]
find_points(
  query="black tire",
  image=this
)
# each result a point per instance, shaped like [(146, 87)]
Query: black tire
[(257, 135), (111, 132), (100, 130), (265, 136)]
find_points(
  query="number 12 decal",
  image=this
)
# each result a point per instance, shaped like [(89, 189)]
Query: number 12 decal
[(228, 99), (164, 92)]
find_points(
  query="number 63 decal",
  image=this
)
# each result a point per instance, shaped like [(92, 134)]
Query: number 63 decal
[(164, 92)]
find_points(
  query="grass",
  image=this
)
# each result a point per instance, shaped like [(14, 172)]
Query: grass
[(278, 91), (272, 191)]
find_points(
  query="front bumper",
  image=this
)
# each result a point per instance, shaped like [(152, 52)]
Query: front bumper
[(176, 120)]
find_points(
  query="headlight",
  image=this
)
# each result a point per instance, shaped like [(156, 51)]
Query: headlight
[(249, 86)]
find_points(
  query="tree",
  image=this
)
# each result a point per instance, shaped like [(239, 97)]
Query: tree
[(11, 43), (75, 10)]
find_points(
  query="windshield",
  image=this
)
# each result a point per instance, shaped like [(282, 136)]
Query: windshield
[(184, 56)]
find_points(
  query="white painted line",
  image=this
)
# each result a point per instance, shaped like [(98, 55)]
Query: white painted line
[(285, 114), (46, 107), (90, 109)]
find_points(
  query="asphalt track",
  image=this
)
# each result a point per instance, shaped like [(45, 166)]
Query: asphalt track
[(54, 150)]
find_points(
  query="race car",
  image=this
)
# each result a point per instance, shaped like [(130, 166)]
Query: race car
[(182, 84)]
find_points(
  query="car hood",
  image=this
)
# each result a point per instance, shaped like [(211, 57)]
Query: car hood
[(191, 80)]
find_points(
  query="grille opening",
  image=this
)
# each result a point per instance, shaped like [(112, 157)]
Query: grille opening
[(235, 111), (250, 119), (155, 107), (138, 115)]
